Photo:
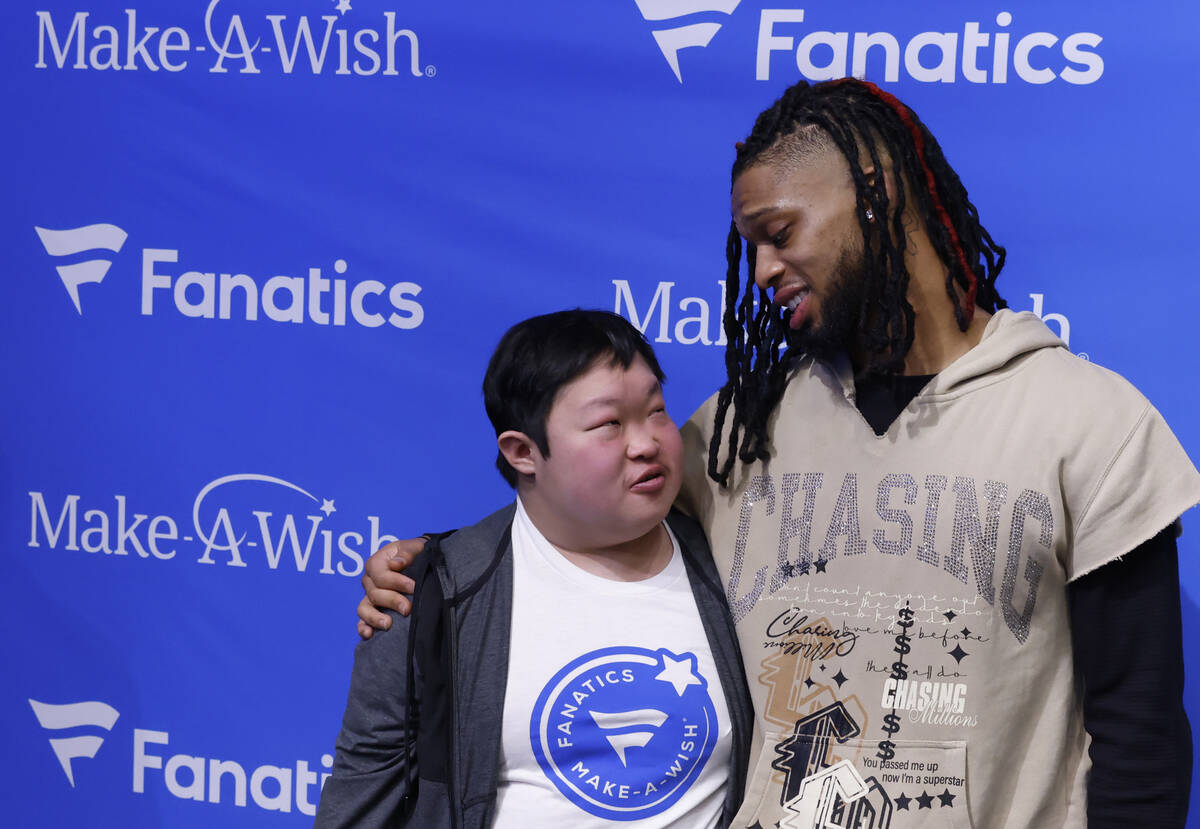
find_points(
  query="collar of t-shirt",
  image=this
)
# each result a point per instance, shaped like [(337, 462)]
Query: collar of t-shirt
[(880, 399), (531, 541)]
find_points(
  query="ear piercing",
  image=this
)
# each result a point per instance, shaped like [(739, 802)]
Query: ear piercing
[(870, 215)]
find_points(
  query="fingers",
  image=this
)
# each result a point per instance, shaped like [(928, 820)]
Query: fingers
[(391, 599), (386, 586), (389, 590), (370, 615), (404, 550), (389, 581), (383, 569)]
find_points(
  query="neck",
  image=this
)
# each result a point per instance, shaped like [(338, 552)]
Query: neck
[(633, 559), (937, 339)]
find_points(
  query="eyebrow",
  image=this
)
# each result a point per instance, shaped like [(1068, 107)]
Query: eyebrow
[(762, 211), (651, 391)]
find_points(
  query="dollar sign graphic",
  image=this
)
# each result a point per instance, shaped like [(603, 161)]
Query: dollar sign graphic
[(891, 724), (899, 670), (887, 750)]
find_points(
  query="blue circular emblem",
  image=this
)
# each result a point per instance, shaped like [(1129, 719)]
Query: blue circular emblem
[(623, 732)]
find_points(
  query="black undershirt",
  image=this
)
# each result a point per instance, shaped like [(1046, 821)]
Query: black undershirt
[(1127, 640)]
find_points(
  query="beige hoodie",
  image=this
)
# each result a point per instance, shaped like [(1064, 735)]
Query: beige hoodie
[(900, 599)]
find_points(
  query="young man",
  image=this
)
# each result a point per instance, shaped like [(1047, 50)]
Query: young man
[(570, 660), (948, 545)]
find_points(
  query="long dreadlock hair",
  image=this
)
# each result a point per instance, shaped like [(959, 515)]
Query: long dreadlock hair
[(859, 118)]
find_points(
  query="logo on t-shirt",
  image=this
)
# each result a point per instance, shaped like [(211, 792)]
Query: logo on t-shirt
[(623, 732)]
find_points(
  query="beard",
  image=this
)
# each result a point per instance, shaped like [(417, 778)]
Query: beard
[(841, 309)]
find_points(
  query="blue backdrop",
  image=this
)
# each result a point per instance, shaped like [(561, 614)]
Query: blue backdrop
[(262, 249)]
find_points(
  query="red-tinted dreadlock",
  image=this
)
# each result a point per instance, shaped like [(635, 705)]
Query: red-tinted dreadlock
[(905, 115), (857, 117)]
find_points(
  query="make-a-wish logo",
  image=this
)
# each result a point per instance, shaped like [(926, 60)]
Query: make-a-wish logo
[(674, 38), (76, 241), (327, 43), (241, 520), (624, 732), (1055, 320), (70, 717)]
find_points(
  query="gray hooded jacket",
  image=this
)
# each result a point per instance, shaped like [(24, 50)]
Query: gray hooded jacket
[(420, 739)]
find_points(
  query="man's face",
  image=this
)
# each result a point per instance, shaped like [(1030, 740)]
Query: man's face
[(614, 467), (801, 218)]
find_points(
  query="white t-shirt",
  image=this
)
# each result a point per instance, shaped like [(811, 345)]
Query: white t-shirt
[(613, 712)]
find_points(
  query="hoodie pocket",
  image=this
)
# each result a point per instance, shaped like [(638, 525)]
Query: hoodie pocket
[(813, 782)]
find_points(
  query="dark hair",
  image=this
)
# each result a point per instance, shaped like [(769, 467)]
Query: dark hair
[(857, 118), (539, 356)]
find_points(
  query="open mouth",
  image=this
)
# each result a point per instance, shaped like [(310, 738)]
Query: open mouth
[(795, 302), (794, 299)]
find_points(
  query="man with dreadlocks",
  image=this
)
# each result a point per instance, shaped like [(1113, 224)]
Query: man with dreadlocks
[(948, 544)]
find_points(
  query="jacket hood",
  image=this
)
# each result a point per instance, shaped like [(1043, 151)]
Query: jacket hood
[(1009, 335), (468, 556)]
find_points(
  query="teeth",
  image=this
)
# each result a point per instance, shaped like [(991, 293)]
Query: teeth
[(795, 301)]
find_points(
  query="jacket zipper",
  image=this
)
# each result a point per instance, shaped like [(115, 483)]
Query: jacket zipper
[(457, 817)]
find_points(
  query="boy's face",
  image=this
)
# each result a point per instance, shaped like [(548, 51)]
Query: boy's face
[(614, 467)]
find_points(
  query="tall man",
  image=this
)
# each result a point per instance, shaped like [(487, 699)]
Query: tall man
[(947, 543)]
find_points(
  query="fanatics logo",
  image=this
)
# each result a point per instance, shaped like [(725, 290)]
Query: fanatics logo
[(188, 776), (198, 290), (671, 40), (72, 716), (624, 732), (75, 241)]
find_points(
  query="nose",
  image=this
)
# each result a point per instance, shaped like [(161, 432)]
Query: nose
[(767, 266), (642, 442)]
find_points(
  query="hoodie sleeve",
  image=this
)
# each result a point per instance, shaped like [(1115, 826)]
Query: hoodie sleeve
[(1145, 483)]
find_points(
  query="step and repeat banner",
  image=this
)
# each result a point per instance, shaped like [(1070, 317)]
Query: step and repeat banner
[(259, 252)]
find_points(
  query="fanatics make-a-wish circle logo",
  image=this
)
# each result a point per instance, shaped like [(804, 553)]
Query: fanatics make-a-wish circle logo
[(624, 732)]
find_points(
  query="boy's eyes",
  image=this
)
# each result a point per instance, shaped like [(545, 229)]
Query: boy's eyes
[(603, 424), (616, 421)]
